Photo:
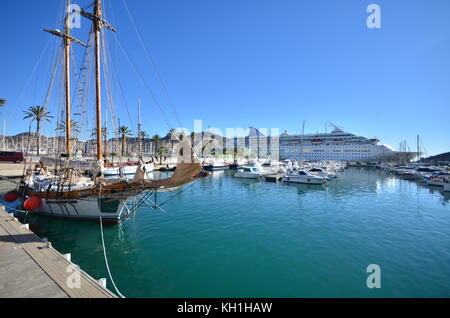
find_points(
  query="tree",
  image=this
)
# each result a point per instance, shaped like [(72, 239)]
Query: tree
[(124, 132), (192, 146), (2, 102), (144, 135), (94, 132), (141, 142), (161, 151), (169, 134), (156, 139), (104, 135), (37, 113), (74, 128), (74, 125)]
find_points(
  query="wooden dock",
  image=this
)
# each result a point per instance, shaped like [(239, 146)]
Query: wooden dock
[(31, 268)]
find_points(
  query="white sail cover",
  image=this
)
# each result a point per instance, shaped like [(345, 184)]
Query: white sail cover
[(141, 174)]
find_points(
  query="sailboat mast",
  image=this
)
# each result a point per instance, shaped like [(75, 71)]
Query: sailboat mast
[(68, 39), (418, 148), (301, 144), (106, 133), (67, 42), (97, 29), (139, 128)]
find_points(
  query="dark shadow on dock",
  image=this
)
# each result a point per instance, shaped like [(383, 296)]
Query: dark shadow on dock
[(22, 238)]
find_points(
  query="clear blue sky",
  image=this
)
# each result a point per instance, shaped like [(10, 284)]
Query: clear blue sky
[(262, 63)]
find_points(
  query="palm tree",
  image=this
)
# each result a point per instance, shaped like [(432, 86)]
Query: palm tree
[(144, 134), (74, 125), (169, 134), (141, 141), (161, 151), (74, 128), (37, 113), (104, 135), (156, 139), (2, 102), (94, 132), (125, 132), (192, 146)]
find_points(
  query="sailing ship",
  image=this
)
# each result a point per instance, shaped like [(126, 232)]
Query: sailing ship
[(59, 187)]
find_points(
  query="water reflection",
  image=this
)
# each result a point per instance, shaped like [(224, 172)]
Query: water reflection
[(305, 188)]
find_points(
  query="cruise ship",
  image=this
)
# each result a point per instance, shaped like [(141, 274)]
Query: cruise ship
[(338, 145)]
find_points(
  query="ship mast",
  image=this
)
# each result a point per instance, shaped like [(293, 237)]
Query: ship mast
[(67, 45), (98, 102), (139, 129), (68, 39), (98, 23)]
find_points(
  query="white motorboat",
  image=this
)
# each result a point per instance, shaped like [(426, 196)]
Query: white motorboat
[(438, 179), (304, 177), (321, 173), (247, 172), (214, 165), (437, 182)]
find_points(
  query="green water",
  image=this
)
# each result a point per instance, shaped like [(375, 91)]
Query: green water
[(227, 237)]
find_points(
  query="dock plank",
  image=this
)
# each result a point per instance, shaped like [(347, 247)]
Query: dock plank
[(30, 268)]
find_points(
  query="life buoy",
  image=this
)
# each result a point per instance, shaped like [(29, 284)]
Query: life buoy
[(11, 196), (32, 203)]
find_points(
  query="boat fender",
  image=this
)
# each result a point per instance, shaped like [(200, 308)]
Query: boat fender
[(11, 196), (32, 203)]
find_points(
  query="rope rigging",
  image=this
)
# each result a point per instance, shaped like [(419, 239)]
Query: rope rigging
[(151, 60)]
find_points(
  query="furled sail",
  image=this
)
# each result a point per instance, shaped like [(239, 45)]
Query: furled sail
[(185, 173)]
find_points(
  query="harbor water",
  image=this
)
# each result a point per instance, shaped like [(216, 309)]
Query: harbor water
[(227, 237)]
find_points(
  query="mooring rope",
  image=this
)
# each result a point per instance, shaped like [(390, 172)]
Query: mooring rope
[(104, 249)]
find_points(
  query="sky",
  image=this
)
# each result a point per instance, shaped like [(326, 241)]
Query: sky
[(241, 63)]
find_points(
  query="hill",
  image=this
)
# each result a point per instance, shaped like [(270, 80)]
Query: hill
[(438, 158)]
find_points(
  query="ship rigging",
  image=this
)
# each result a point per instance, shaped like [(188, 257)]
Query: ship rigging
[(58, 186)]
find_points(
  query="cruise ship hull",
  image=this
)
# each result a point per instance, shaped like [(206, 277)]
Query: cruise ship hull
[(337, 145)]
